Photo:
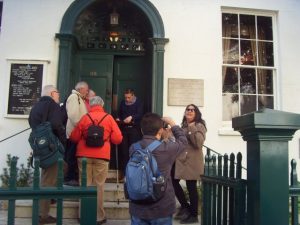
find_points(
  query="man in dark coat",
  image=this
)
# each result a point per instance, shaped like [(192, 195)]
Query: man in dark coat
[(48, 105), (130, 114), (159, 212)]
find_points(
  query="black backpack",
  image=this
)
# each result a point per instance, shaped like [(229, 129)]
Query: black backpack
[(95, 133)]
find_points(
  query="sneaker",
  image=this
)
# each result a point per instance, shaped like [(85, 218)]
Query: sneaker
[(72, 183), (189, 219), (101, 221), (46, 220), (182, 213)]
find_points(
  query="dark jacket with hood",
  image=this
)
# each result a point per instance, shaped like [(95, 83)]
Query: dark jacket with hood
[(47, 106)]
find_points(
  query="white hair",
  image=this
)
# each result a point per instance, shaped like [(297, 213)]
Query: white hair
[(48, 89), (81, 84), (96, 100)]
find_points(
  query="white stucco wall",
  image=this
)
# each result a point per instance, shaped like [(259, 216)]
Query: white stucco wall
[(193, 52)]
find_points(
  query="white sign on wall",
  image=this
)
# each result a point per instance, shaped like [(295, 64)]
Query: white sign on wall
[(182, 92)]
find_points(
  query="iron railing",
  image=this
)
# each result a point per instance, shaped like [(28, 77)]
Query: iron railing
[(223, 191), (88, 195)]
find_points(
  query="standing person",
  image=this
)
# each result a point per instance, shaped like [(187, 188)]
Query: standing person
[(190, 165), (130, 115), (76, 108), (48, 105), (160, 212), (97, 157)]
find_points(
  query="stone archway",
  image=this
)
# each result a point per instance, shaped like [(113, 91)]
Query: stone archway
[(158, 40)]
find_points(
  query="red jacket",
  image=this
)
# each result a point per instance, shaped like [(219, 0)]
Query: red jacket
[(112, 134)]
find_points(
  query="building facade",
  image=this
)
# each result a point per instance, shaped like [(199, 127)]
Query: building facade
[(229, 57)]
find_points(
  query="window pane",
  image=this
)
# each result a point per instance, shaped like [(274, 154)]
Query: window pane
[(230, 51), (230, 79), (265, 81), (247, 26), (265, 53), (230, 106), (248, 103), (248, 49), (265, 102), (248, 82), (229, 25), (264, 28)]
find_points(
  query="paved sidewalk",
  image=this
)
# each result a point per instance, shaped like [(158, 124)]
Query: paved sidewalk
[(27, 221)]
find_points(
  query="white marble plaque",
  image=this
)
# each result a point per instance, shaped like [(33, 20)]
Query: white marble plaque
[(182, 92)]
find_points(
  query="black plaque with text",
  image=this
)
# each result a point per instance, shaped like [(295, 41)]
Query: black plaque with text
[(24, 87)]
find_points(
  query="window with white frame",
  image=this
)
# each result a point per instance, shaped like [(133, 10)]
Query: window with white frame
[(1, 7), (248, 71)]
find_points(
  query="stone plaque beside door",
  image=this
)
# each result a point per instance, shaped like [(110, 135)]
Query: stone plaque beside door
[(182, 92)]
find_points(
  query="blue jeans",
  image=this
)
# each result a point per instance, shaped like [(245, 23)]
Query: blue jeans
[(159, 221)]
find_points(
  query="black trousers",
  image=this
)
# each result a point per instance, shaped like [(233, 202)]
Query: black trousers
[(191, 185), (130, 136), (71, 160)]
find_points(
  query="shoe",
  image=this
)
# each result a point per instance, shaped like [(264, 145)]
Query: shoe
[(182, 213), (189, 219), (101, 221), (46, 220), (72, 183)]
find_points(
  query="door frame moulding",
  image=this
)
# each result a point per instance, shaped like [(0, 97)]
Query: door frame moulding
[(68, 43)]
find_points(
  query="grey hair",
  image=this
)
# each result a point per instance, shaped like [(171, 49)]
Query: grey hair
[(96, 100), (47, 89), (81, 84)]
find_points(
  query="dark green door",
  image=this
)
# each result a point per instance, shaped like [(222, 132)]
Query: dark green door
[(97, 71), (131, 72)]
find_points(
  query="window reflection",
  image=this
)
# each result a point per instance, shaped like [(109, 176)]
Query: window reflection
[(264, 27), (230, 51), (230, 79), (247, 27), (230, 106), (265, 53), (230, 25), (248, 81), (248, 49), (264, 81), (265, 102), (248, 103)]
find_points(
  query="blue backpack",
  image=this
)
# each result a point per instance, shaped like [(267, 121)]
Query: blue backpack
[(143, 181)]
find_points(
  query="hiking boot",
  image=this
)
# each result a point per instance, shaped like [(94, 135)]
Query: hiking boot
[(189, 219), (101, 221), (182, 213), (46, 220)]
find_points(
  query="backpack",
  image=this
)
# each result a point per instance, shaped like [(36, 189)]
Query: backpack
[(95, 133), (45, 145), (143, 181)]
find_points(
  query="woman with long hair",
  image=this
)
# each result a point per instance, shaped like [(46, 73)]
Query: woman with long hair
[(190, 165)]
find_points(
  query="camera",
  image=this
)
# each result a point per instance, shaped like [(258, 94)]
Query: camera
[(165, 125)]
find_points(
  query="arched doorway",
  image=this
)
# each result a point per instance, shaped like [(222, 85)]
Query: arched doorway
[(106, 63), (112, 57)]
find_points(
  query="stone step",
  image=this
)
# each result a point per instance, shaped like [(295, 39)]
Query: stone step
[(113, 210)]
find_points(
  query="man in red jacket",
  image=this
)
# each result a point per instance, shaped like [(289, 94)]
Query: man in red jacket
[(97, 157)]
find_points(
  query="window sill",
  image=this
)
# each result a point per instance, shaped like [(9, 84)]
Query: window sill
[(228, 131)]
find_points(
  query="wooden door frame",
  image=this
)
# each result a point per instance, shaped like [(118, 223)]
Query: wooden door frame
[(68, 44)]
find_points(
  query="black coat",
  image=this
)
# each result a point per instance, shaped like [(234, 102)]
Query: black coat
[(47, 106)]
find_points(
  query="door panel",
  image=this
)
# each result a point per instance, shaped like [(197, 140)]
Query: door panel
[(130, 72), (97, 71)]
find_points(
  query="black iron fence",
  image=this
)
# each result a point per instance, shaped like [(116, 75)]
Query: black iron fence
[(223, 190)]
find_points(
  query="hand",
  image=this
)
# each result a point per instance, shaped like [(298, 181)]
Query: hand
[(128, 119), (169, 121)]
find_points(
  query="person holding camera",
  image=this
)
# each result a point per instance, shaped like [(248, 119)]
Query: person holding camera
[(159, 212), (189, 165)]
